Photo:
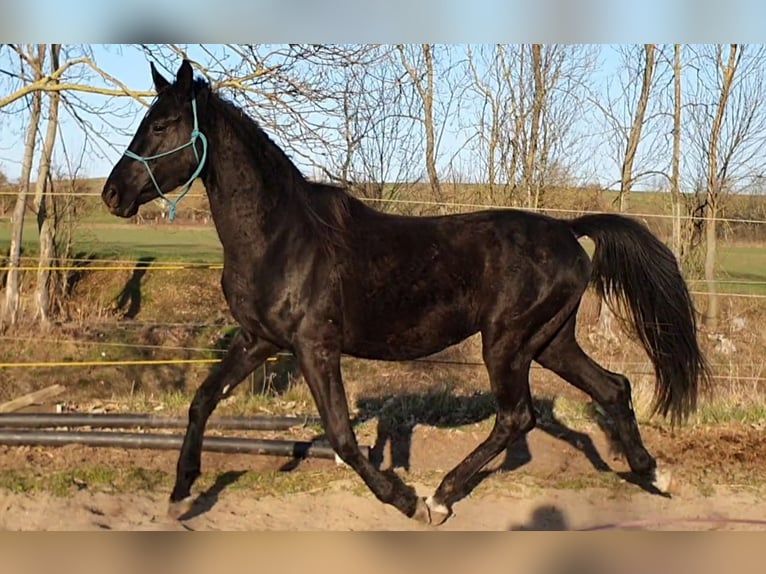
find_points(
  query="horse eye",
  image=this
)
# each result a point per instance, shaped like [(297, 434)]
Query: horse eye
[(160, 126)]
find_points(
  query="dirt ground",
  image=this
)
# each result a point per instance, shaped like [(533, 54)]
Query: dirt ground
[(557, 479)]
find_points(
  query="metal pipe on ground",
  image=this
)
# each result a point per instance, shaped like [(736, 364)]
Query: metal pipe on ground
[(132, 420), (287, 448)]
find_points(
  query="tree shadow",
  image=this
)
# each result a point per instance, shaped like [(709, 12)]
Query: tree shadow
[(546, 517), (81, 260), (129, 300)]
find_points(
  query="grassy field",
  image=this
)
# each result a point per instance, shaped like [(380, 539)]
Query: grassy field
[(169, 302), (127, 242), (741, 266), (744, 266)]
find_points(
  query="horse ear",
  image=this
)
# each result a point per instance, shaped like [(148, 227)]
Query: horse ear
[(160, 83), (185, 76)]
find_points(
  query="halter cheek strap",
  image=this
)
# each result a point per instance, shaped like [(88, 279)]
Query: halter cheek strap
[(195, 135)]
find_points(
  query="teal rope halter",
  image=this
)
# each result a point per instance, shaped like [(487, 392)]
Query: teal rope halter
[(200, 163)]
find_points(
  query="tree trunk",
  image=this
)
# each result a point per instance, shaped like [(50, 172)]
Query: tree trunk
[(428, 103), (45, 221), (675, 177), (426, 94), (606, 317), (493, 140), (634, 138), (714, 186), (531, 182), (711, 247), (12, 296)]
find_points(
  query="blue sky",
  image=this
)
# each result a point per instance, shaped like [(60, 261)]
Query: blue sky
[(130, 66), (272, 21)]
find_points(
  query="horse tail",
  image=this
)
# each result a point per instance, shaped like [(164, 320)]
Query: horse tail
[(641, 274)]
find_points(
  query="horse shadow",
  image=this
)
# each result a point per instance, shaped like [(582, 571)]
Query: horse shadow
[(208, 499), (397, 416)]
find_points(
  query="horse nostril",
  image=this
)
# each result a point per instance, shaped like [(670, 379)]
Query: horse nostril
[(110, 196)]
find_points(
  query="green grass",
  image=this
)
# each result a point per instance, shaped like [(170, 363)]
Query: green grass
[(102, 478), (103, 236), (124, 241), (742, 263), (738, 410)]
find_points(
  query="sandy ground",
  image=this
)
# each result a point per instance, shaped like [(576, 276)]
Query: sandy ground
[(715, 471), (552, 510)]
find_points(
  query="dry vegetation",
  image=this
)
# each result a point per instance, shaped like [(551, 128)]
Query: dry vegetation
[(418, 415), (173, 315), (521, 110)]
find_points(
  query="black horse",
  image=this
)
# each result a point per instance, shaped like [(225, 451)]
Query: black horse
[(310, 269)]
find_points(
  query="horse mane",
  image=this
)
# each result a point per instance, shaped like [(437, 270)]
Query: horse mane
[(327, 207)]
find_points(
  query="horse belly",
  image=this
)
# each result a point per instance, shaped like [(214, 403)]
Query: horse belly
[(403, 336)]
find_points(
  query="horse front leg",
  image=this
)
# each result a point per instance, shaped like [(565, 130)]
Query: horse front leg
[(246, 353), (320, 363)]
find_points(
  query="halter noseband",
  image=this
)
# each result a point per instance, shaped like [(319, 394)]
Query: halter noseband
[(195, 134)]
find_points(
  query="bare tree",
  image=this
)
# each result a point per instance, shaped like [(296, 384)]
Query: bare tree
[(727, 126), (377, 158), (52, 82), (71, 79), (491, 148), (634, 135), (419, 64), (530, 183), (631, 113), (546, 86), (675, 175), (31, 60), (432, 73), (45, 220), (295, 91), (633, 119), (714, 179)]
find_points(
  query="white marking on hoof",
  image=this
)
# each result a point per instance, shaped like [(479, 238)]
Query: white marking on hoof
[(339, 461), (663, 479), (439, 512), (177, 509)]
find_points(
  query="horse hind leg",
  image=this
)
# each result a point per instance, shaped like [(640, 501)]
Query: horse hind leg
[(612, 391), (515, 417), (508, 352)]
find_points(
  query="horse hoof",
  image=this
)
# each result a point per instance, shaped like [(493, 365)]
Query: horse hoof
[(177, 509), (439, 512), (429, 512), (663, 479), (422, 512)]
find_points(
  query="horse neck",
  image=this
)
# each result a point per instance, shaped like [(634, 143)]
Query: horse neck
[(250, 184)]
